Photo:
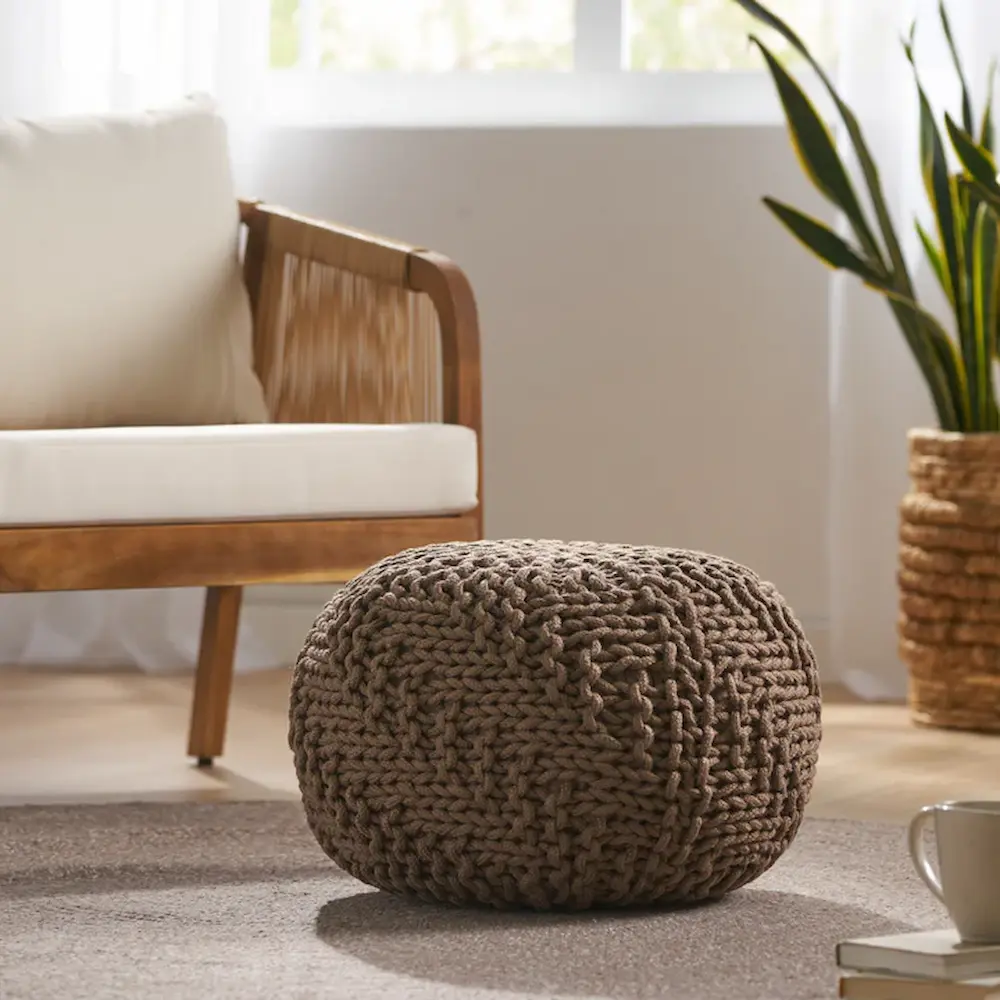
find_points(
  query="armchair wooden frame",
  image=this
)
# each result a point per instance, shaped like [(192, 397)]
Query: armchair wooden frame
[(225, 556)]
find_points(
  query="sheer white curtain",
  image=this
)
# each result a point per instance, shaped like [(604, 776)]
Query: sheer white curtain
[(65, 56), (84, 56), (876, 392)]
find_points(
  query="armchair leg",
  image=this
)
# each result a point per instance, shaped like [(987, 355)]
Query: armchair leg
[(214, 678)]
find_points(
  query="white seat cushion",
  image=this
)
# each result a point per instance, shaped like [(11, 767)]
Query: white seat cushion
[(237, 472), (123, 302)]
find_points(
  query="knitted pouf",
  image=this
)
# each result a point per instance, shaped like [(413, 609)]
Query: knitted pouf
[(554, 724)]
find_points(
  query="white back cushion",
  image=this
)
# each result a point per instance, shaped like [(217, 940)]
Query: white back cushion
[(121, 297)]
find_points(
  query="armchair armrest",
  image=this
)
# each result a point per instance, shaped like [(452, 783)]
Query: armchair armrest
[(350, 326)]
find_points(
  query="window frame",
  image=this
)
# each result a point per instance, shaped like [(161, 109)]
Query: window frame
[(599, 91)]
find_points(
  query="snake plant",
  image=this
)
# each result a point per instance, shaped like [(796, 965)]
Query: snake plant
[(963, 251)]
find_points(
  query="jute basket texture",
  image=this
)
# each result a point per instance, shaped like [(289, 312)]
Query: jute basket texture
[(555, 725), (949, 580)]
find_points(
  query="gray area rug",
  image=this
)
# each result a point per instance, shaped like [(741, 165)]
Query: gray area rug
[(237, 901)]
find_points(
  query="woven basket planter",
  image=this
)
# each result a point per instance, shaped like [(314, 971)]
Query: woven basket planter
[(949, 580)]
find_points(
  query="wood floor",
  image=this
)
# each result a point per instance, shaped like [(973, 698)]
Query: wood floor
[(98, 737)]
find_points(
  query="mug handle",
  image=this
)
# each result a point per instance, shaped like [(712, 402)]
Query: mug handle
[(918, 851)]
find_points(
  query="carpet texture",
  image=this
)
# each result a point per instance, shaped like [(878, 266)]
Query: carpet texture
[(570, 724), (237, 901)]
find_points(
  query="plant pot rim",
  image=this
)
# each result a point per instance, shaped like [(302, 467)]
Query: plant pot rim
[(935, 434), (930, 444)]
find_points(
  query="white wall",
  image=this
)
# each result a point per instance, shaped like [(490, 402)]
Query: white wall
[(654, 347)]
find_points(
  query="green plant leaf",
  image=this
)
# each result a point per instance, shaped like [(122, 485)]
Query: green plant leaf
[(938, 360), (966, 203), (763, 15), (977, 161), (813, 144), (936, 258), (985, 283), (991, 195), (986, 137), (933, 350), (937, 181), (825, 243), (898, 269), (967, 119)]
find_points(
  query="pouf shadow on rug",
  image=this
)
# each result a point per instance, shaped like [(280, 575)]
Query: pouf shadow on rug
[(745, 945), (774, 940), (555, 725)]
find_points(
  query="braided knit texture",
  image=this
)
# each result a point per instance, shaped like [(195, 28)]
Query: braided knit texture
[(555, 725)]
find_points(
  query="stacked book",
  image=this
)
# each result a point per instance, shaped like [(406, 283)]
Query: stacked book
[(926, 965)]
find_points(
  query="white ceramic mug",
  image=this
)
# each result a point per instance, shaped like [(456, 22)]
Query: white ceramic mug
[(968, 850)]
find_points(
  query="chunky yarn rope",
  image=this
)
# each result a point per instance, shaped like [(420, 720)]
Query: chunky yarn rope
[(949, 579), (552, 724)]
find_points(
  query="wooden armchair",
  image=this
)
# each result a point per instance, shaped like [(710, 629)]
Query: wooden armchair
[(348, 328)]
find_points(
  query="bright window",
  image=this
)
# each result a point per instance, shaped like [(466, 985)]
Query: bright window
[(427, 35), (712, 34), (469, 62)]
